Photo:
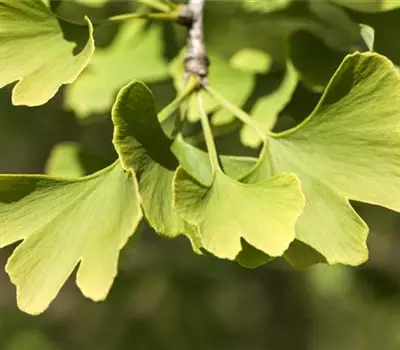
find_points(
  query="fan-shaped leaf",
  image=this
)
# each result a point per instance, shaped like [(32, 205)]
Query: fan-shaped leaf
[(264, 213), (144, 149), (251, 60), (137, 53), (40, 50), (64, 161), (348, 148), (265, 6), (370, 5), (62, 223)]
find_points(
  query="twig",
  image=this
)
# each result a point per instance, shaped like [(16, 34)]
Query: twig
[(196, 59)]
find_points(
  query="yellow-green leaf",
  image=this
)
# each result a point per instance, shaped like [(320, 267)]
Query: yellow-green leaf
[(63, 223), (40, 51)]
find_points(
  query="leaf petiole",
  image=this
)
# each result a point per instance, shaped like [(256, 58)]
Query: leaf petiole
[(170, 16), (208, 136), (174, 105), (238, 112)]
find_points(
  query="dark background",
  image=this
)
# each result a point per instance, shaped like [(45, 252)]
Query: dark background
[(165, 297)]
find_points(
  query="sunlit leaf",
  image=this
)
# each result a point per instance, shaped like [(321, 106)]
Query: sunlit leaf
[(368, 35), (144, 149), (62, 223), (265, 6), (264, 214), (251, 60), (348, 148), (92, 3), (40, 50), (382, 24), (370, 5), (196, 163), (136, 53), (64, 161)]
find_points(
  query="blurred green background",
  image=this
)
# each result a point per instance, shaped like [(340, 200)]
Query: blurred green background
[(165, 297)]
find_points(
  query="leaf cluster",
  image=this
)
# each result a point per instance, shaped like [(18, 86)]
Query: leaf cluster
[(289, 199)]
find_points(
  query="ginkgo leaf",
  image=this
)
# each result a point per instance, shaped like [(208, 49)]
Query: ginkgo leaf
[(368, 36), (348, 148), (248, 170), (54, 51), (269, 31), (136, 53), (64, 161), (267, 108), (370, 5), (62, 223), (144, 149), (264, 213), (197, 163), (382, 24), (251, 60), (265, 6), (92, 3)]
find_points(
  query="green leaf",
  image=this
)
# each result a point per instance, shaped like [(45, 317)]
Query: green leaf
[(54, 51), (62, 223), (368, 35), (264, 213), (266, 110), (92, 3), (144, 149), (235, 83), (64, 161), (338, 31), (136, 53), (348, 148), (370, 5), (197, 163), (269, 31), (383, 24), (251, 61), (265, 6)]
